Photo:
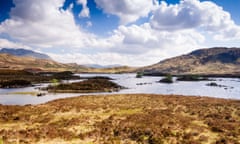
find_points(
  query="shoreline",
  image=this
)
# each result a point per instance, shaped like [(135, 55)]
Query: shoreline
[(111, 94), (76, 95), (123, 118), (159, 74)]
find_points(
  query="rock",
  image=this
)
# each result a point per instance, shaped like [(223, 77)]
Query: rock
[(41, 94), (216, 85), (212, 84)]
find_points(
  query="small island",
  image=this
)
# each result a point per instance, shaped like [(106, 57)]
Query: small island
[(167, 79), (91, 85)]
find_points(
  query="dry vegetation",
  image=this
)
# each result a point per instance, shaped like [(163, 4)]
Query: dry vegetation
[(91, 85), (14, 62), (203, 61), (22, 78), (152, 119), (18, 63)]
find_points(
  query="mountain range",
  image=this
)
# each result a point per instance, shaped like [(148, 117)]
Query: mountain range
[(8, 61), (24, 53), (217, 60), (33, 61)]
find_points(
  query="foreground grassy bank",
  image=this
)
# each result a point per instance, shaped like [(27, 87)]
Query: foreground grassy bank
[(135, 118)]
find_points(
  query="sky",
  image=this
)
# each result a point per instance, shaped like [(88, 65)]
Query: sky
[(125, 32)]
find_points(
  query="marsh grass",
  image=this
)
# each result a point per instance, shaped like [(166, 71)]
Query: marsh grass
[(25, 93), (1, 141), (125, 118)]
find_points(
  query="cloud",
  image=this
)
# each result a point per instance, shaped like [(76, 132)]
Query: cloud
[(85, 10), (171, 31), (135, 46), (127, 10), (89, 24), (4, 43), (107, 58), (141, 39), (193, 14), (44, 24)]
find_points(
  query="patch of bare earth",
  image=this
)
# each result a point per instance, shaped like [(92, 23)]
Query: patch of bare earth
[(135, 118)]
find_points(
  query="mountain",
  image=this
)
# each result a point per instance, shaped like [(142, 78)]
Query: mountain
[(8, 61), (24, 52), (217, 60)]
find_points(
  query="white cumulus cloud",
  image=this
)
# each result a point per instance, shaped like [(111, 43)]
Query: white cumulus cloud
[(42, 23), (193, 14), (4, 43), (172, 30), (85, 10), (127, 10), (141, 39)]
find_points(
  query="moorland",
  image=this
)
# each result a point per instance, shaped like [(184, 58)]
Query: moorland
[(121, 118), (135, 118)]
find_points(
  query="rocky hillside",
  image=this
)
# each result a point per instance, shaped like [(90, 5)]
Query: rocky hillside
[(203, 61), (24, 52)]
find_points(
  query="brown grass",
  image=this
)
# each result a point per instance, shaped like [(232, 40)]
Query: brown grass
[(135, 118)]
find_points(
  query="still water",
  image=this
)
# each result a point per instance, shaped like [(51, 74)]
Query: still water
[(149, 85)]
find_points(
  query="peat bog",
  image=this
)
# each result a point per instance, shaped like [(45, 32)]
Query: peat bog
[(135, 118)]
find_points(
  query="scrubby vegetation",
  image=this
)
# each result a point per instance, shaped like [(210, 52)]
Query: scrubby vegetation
[(139, 75), (87, 86), (14, 83), (191, 78), (98, 77), (21, 78), (152, 119), (167, 79)]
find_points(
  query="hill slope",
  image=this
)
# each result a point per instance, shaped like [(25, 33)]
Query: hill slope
[(202, 61), (24, 52), (8, 61)]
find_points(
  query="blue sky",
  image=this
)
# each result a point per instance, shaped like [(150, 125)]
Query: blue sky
[(127, 32)]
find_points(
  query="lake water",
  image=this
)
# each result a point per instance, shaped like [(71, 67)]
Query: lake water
[(146, 84)]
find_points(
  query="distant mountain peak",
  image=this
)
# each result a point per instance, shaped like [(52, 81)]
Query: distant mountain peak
[(24, 52)]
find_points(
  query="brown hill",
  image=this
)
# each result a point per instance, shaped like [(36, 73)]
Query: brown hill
[(15, 62), (8, 61), (203, 61)]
